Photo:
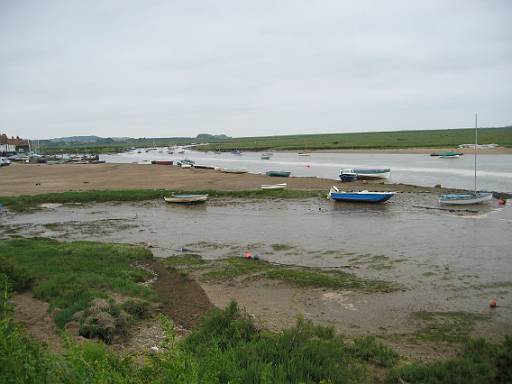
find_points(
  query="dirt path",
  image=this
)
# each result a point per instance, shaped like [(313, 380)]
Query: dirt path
[(183, 299), (31, 179), (33, 313)]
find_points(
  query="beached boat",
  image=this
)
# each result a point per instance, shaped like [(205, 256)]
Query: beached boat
[(348, 175), (278, 173), (274, 186), (233, 170), (186, 165), (203, 166), (372, 173), (183, 162), (162, 162), (186, 198), (4, 162), (474, 197), (362, 196)]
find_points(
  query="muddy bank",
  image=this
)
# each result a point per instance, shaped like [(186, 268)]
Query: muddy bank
[(31, 179)]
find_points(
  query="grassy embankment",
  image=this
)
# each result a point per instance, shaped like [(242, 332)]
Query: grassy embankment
[(226, 347), (369, 140), (26, 202)]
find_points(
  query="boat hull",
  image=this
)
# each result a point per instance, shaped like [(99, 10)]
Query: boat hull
[(347, 177), (465, 199), (278, 173), (362, 197), (274, 186), (233, 170), (184, 199), (372, 173)]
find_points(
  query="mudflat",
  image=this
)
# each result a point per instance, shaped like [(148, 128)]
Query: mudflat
[(31, 179)]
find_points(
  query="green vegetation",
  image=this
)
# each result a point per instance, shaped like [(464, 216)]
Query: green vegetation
[(446, 326), (184, 260), (238, 267), (70, 275), (225, 348), (282, 247), (396, 139), (480, 362), (26, 202)]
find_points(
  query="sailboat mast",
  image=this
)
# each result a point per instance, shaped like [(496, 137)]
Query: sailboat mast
[(476, 142)]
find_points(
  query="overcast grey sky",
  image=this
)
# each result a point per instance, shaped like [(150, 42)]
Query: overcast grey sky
[(178, 68)]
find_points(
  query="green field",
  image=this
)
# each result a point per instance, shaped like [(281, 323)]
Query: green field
[(379, 140)]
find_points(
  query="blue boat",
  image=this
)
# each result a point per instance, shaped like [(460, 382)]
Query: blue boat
[(347, 175), (363, 196)]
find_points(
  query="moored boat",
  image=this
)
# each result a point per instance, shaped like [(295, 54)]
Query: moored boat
[(372, 173), (4, 162), (449, 156), (304, 154), (362, 196), (278, 173), (449, 153), (465, 198), (265, 157), (186, 198), (236, 152), (274, 186)]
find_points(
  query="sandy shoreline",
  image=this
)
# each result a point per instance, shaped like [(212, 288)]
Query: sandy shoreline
[(31, 179)]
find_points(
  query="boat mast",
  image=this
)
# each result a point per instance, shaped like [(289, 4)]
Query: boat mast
[(476, 142)]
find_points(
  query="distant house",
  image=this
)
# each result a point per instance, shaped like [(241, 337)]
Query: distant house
[(13, 144)]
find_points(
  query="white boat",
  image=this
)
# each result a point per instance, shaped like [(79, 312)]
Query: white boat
[(186, 165), (474, 197), (4, 161), (465, 198), (274, 186), (186, 198), (449, 156), (372, 173), (233, 170)]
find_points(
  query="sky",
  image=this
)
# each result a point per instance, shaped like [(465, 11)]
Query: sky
[(152, 68)]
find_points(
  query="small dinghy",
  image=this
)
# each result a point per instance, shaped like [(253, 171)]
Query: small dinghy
[(186, 198), (274, 186), (449, 156), (233, 170), (363, 196)]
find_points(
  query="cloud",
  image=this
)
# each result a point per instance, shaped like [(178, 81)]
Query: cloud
[(132, 68)]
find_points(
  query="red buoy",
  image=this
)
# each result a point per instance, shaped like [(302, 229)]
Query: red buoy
[(492, 303)]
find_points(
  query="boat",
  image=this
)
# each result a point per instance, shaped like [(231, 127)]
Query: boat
[(186, 198), (362, 196), (183, 162), (186, 165), (233, 170), (203, 166), (304, 154), (449, 153), (465, 198), (278, 173), (372, 173), (473, 197), (449, 156), (162, 162), (265, 157), (4, 162), (348, 175), (236, 152), (274, 186)]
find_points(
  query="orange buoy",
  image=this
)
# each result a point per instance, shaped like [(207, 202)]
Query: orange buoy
[(492, 304), (502, 201)]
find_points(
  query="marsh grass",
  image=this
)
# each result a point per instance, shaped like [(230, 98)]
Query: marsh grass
[(238, 267), (446, 326), (70, 275), (27, 202), (367, 140)]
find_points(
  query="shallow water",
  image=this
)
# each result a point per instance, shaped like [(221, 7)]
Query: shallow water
[(494, 171)]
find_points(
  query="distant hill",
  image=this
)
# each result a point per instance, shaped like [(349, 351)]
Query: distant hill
[(76, 139)]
